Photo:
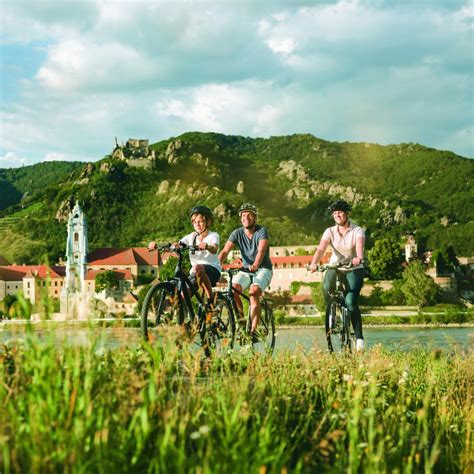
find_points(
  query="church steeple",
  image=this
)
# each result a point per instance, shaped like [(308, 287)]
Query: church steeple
[(76, 250)]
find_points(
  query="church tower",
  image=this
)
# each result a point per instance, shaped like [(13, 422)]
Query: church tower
[(76, 250)]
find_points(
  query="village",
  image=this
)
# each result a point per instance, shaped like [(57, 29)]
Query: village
[(72, 285)]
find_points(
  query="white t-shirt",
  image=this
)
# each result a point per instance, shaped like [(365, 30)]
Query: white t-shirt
[(343, 246), (203, 257)]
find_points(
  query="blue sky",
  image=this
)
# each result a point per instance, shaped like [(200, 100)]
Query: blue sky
[(76, 74)]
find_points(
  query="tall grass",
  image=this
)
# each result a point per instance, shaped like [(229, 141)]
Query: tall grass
[(164, 408)]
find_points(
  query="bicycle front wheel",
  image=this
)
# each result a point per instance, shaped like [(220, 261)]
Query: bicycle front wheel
[(218, 328), (162, 306), (264, 338), (335, 332)]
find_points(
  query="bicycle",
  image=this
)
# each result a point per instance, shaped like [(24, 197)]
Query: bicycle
[(263, 339), (170, 303), (337, 321)]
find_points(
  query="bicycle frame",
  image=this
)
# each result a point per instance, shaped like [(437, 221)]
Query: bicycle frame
[(182, 282), (266, 327), (337, 297)]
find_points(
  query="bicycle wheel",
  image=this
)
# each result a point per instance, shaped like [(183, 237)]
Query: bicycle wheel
[(348, 340), (218, 328), (264, 339), (335, 334), (162, 306)]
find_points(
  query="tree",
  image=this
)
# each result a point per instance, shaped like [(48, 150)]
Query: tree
[(385, 259), (318, 296), (419, 288), (281, 298), (445, 259), (106, 280)]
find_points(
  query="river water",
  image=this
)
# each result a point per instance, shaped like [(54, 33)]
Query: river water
[(393, 338)]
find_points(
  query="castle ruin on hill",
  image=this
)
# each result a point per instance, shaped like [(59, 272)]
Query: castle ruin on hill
[(136, 152)]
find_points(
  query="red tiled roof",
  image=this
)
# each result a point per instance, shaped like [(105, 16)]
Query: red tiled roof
[(130, 256), (7, 274), (301, 299), (120, 274), (18, 272), (282, 262), (130, 298)]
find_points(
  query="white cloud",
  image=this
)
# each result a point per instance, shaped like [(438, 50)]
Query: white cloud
[(350, 70), (54, 156), (11, 160)]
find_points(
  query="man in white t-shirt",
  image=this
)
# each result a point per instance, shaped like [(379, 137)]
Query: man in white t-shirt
[(347, 241)]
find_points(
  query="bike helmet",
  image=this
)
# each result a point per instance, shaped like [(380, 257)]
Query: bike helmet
[(339, 205), (248, 207), (203, 210)]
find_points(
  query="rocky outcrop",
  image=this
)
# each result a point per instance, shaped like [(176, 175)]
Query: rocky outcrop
[(172, 151), (240, 187), (85, 175), (65, 208), (163, 188), (221, 212), (293, 171)]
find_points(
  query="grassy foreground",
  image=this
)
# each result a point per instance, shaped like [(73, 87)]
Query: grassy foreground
[(165, 409)]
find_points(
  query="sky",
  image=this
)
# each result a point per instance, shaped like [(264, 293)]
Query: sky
[(75, 75)]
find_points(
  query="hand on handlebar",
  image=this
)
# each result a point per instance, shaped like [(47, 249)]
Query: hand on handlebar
[(313, 267), (202, 245)]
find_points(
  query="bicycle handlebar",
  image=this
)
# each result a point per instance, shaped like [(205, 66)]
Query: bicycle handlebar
[(344, 264), (234, 271), (170, 247)]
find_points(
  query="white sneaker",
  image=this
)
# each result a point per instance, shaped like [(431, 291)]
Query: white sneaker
[(359, 345)]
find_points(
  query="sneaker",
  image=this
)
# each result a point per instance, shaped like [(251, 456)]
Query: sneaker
[(255, 335), (359, 345)]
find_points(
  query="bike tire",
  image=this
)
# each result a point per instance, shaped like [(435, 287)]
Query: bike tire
[(333, 325), (349, 342), (266, 335), (163, 305), (218, 329)]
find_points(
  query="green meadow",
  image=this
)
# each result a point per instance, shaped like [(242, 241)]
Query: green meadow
[(165, 408)]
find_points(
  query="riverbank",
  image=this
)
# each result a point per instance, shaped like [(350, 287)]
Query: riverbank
[(423, 320)]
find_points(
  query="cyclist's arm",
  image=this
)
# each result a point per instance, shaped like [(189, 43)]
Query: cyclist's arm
[(225, 251), (360, 241), (318, 255), (262, 248)]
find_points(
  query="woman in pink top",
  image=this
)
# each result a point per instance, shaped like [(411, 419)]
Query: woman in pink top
[(347, 241)]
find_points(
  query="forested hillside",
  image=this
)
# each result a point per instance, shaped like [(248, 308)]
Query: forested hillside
[(395, 190)]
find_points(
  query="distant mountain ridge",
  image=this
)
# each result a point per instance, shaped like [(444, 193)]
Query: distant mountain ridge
[(395, 190)]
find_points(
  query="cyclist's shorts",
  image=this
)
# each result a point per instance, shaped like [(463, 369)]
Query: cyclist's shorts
[(212, 272), (262, 279)]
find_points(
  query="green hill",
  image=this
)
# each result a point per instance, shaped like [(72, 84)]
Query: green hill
[(395, 190)]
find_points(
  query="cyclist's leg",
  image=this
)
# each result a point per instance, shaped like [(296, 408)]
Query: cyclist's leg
[(241, 283), (261, 280), (329, 284), (355, 280), (206, 277)]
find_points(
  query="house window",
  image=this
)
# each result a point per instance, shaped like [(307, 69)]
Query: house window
[(28, 285), (76, 237)]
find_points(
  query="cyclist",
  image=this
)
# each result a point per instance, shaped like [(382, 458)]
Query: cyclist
[(347, 241), (205, 265), (253, 242)]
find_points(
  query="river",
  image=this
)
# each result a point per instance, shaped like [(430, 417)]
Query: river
[(393, 338)]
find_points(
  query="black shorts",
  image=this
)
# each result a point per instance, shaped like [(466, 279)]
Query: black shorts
[(213, 274)]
